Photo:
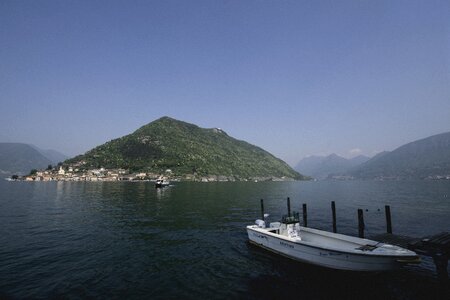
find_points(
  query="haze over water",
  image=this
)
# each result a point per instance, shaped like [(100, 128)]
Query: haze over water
[(188, 241)]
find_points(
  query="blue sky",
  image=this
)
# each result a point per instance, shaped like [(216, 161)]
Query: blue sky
[(296, 78)]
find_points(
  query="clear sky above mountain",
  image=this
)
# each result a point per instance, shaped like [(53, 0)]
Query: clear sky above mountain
[(296, 78)]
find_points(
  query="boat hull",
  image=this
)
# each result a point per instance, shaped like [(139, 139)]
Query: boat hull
[(320, 256), (161, 183)]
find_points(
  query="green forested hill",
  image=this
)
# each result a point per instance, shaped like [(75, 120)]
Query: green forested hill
[(185, 149)]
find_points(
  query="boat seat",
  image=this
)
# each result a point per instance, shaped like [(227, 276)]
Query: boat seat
[(275, 225)]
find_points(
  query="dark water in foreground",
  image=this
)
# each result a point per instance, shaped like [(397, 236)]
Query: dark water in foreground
[(188, 241)]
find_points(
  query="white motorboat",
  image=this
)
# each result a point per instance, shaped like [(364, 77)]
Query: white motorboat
[(161, 182), (327, 249)]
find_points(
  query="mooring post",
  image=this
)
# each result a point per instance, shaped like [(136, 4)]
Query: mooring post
[(360, 223), (333, 212), (262, 209), (387, 209), (441, 263), (289, 206), (305, 216)]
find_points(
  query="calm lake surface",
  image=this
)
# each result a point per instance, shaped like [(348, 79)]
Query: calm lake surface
[(188, 241)]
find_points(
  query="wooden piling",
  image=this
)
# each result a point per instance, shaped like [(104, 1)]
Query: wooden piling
[(387, 209), (262, 209), (289, 206), (441, 263), (360, 223), (305, 216), (333, 212)]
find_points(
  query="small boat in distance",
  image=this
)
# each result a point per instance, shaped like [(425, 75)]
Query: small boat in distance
[(326, 249), (161, 182)]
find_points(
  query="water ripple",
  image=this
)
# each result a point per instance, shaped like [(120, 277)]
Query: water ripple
[(127, 240)]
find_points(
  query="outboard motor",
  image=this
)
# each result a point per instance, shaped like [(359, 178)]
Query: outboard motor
[(260, 223)]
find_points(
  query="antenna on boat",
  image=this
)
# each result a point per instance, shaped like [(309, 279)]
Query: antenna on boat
[(289, 206)]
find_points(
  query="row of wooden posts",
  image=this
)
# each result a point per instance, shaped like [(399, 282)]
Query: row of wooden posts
[(361, 225)]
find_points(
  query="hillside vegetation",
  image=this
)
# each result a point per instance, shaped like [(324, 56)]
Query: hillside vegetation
[(185, 149)]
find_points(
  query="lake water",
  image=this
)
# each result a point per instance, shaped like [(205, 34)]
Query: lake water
[(188, 241)]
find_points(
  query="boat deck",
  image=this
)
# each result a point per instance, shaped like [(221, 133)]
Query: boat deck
[(339, 242)]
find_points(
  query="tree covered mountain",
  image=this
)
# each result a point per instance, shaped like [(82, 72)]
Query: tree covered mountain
[(185, 149), (420, 159), (320, 167), (18, 158)]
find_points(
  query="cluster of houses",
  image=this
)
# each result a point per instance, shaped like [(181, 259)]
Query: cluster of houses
[(78, 172), (73, 174)]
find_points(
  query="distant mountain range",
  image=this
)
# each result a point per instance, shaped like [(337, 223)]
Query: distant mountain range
[(425, 158), (54, 156), (321, 167), (185, 149), (19, 158), (188, 149)]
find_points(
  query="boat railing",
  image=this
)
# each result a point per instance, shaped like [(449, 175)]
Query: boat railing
[(295, 218)]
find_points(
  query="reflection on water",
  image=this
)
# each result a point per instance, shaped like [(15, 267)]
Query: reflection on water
[(163, 193), (129, 239)]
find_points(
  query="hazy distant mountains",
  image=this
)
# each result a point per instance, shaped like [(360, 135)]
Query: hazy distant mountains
[(53, 155), (321, 167), (18, 158), (425, 158), (187, 150)]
